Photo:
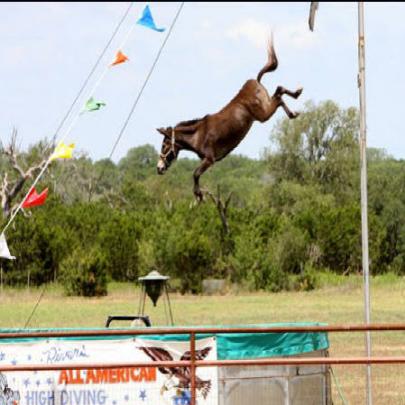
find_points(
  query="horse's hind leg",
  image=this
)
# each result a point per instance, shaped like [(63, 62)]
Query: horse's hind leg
[(290, 113), (282, 90), (295, 94)]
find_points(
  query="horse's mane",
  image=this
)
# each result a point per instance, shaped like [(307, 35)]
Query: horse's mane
[(189, 122), (190, 126)]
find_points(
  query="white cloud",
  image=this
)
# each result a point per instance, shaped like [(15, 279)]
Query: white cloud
[(293, 35), (254, 31)]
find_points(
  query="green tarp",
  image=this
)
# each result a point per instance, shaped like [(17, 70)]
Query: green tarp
[(229, 346)]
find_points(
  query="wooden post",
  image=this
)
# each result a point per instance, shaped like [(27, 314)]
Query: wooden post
[(363, 177)]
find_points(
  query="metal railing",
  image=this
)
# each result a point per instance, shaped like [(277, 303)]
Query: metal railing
[(193, 363)]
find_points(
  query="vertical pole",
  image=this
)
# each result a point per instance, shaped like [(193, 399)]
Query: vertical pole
[(363, 163), (142, 297), (143, 302), (192, 369), (170, 308), (165, 304)]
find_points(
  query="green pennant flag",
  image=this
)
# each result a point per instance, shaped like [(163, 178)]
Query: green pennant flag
[(93, 105)]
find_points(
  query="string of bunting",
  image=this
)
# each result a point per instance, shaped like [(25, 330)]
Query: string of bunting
[(63, 151)]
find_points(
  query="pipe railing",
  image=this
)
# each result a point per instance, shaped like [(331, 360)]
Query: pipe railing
[(193, 363), (201, 330)]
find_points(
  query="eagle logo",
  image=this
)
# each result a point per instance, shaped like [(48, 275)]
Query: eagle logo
[(7, 395), (181, 374)]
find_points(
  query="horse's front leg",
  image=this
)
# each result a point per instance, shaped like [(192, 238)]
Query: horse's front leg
[(206, 163)]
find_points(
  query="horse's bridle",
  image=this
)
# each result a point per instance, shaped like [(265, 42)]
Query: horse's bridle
[(164, 156)]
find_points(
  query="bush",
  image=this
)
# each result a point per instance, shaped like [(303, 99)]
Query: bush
[(118, 238), (84, 273), (277, 280), (290, 249), (186, 248), (308, 280)]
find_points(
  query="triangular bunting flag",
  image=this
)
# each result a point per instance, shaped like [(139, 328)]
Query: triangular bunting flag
[(34, 199), (119, 58), (147, 20), (63, 151), (4, 252), (93, 105)]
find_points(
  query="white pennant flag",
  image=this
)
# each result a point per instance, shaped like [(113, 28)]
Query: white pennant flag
[(4, 252)]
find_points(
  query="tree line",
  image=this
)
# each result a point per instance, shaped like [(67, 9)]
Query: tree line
[(271, 224)]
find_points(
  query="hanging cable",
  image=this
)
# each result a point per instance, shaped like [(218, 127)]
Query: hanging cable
[(98, 82), (139, 94), (66, 133), (92, 91), (91, 72), (35, 306), (116, 142), (338, 387)]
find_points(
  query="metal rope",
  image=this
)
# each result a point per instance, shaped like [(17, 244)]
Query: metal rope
[(126, 121), (36, 306), (69, 128), (338, 387), (139, 94), (100, 57), (91, 72)]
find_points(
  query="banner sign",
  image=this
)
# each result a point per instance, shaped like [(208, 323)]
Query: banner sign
[(116, 386)]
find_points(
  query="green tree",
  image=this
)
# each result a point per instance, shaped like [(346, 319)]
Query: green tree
[(320, 147), (83, 273)]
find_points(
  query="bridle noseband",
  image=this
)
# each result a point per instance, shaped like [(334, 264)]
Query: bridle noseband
[(164, 156)]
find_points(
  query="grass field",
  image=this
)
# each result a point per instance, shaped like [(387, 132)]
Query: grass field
[(340, 301)]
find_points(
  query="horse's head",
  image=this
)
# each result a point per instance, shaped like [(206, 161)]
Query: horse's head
[(169, 150)]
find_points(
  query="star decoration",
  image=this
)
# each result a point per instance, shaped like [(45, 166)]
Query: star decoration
[(142, 395)]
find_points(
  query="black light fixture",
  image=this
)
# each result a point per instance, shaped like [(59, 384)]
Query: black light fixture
[(154, 285)]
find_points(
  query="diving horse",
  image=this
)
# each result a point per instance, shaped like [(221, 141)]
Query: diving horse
[(214, 136)]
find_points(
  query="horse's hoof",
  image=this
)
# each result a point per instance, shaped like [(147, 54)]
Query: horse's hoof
[(199, 196), (294, 115), (299, 91)]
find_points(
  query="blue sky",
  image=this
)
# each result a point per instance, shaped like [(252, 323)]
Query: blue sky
[(48, 49)]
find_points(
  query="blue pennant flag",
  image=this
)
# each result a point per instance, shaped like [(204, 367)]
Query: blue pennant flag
[(147, 20)]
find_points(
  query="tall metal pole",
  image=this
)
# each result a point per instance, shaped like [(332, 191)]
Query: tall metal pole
[(363, 175)]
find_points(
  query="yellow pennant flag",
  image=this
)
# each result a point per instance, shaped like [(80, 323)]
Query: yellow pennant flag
[(62, 151)]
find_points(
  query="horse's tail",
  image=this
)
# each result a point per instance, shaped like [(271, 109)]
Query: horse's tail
[(272, 61)]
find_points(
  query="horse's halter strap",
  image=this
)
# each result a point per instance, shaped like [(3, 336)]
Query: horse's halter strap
[(173, 141)]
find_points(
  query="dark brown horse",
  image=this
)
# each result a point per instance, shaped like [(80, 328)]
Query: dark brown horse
[(216, 135)]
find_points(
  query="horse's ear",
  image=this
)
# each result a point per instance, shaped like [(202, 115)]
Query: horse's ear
[(163, 131)]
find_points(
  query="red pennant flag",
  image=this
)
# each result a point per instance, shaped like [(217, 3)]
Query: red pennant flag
[(33, 199), (119, 58)]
